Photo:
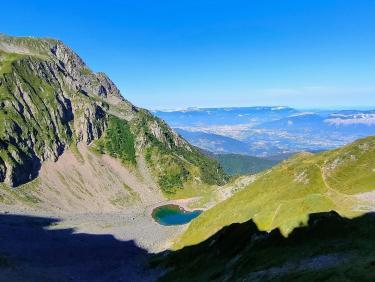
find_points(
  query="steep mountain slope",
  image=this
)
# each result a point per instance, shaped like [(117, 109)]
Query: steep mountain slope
[(235, 164), (238, 164), (341, 180), (51, 101), (215, 143)]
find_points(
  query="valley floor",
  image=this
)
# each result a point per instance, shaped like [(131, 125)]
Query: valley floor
[(136, 225), (87, 217), (93, 246), (97, 194), (112, 246), (33, 251)]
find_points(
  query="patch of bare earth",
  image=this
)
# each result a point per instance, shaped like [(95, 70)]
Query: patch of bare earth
[(367, 201)]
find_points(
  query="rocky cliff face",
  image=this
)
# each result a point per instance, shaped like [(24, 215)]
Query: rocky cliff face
[(49, 100), (45, 105)]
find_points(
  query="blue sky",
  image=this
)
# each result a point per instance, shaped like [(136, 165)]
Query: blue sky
[(176, 54)]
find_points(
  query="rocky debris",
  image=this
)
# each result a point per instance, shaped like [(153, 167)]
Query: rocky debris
[(157, 131), (166, 136), (180, 142), (302, 178), (332, 165)]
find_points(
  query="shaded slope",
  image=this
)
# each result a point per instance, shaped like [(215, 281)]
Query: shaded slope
[(329, 248), (31, 250)]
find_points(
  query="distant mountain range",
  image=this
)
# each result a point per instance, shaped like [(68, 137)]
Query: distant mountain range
[(214, 142), (196, 117), (269, 131)]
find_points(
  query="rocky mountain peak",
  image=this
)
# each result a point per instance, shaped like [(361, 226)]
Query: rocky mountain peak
[(50, 100)]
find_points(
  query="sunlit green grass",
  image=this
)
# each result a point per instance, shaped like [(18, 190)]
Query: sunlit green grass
[(283, 197)]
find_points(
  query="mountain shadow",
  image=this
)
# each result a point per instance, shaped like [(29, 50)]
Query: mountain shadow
[(329, 248), (30, 252)]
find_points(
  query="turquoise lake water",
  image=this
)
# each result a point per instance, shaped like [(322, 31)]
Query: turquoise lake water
[(173, 215)]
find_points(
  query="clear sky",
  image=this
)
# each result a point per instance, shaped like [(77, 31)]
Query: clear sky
[(176, 54)]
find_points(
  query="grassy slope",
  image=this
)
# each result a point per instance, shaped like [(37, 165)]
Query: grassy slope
[(283, 197), (118, 141), (175, 167), (176, 170), (235, 164)]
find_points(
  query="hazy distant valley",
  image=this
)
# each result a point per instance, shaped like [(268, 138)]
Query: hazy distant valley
[(270, 132)]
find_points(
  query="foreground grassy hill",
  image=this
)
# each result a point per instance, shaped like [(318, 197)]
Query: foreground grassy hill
[(283, 197)]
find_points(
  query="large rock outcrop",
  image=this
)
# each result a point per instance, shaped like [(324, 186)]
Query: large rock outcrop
[(49, 99)]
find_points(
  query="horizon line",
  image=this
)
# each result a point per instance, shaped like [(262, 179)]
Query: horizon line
[(192, 108)]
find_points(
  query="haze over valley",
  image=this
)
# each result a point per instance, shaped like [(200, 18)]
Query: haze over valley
[(269, 131)]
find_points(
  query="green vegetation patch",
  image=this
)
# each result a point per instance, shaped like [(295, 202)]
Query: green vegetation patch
[(85, 71), (175, 166), (6, 60), (118, 141), (351, 169), (170, 171), (74, 149), (26, 193), (235, 164)]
